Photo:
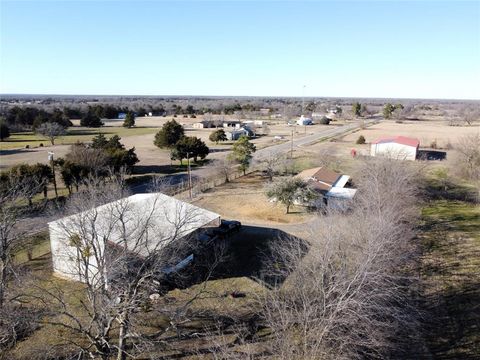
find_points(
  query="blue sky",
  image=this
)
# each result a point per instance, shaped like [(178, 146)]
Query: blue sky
[(352, 49)]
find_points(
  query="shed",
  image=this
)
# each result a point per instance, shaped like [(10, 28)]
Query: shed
[(152, 221), (397, 147)]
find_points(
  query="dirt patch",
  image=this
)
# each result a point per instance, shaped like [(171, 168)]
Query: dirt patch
[(244, 199)]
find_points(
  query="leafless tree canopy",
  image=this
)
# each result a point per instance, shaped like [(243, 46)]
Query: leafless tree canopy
[(468, 148), (346, 295)]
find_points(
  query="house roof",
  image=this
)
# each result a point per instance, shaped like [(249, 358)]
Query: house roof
[(398, 140), (320, 178), (163, 217)]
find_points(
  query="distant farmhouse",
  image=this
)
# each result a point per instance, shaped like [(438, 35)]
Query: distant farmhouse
[(236, 133), (204, 124), (332, 186), (397, 147), (152, 222)]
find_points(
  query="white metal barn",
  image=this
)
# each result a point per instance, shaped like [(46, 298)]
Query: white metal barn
[(398, 147), (141, 223)]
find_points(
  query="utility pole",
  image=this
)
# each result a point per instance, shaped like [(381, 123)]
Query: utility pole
[(291, 147), (189, 176), (52, 164), (303, 99)]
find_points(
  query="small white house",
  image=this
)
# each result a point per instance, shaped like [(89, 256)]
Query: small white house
[(332, 186), (141, 224), (304, 121), (398, 147), (236, 133)]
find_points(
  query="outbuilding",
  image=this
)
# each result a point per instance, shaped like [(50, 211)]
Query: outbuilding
[(139, 224), (396, 147)]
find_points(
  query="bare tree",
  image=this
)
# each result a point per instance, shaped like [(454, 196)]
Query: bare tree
[(224, 167), (270, 163), (345, 295), (468, 148), (51, 131), (469, 114), (12, 191)]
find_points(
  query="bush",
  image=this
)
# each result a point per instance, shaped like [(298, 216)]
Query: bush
[(361, 140), (324, 121), (4, 131)]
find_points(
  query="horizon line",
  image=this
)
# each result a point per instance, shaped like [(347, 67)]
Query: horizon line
[(242, 96)]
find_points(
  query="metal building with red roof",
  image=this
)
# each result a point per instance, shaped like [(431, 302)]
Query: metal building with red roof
[(397, 147)]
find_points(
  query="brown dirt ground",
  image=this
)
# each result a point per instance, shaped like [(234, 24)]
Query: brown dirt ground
[(243, 199)]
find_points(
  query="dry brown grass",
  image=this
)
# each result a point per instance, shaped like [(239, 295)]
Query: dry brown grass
[(244, 199)]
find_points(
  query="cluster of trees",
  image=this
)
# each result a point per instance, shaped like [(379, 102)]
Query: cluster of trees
[(4, 130), (172, 136), (359, 109), (33, 179), (104, 157), (389, 109), (19, 118), (90, 119)]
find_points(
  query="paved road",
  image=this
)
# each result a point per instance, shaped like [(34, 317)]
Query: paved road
[(284, 147), (306, 140)]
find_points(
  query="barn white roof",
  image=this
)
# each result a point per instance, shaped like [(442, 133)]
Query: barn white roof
[(147, 221)]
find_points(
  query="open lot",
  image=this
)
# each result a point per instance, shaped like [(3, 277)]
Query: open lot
[(243, 199)]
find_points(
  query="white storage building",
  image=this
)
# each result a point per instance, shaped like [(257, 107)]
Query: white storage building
[(141, 223), (397, 147)]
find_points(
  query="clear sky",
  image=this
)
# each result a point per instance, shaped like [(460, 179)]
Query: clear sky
[(351, 49)]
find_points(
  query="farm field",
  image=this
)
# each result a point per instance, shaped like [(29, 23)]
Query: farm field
[(426, 131)]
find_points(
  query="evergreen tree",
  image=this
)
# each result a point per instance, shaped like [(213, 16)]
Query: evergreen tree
[(169, 135), (129, 120), (242, 152)]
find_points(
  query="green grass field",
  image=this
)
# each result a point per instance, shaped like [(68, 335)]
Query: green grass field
[(450, 272), (74, 134)]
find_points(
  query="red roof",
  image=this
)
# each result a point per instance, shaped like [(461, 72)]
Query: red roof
[(399, 140)]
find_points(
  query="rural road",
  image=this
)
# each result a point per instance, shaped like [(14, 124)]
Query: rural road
[(284, 147)]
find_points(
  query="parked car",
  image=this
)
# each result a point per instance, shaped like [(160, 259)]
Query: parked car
[(227, 227)]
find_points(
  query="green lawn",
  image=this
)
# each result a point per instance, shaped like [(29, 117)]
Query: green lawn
[(450, 273), (20, 140)]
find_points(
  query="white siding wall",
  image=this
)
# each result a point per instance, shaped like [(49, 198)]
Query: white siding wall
[(394, 150), (65, 257)]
